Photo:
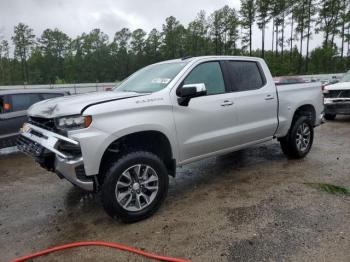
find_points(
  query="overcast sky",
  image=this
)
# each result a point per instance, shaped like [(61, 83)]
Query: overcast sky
[(76, 16)]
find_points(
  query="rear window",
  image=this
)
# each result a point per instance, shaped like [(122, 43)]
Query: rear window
[(50, 95), (245, 75), (23, 101)]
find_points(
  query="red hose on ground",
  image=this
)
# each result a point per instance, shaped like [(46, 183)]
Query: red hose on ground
[(99, 243)]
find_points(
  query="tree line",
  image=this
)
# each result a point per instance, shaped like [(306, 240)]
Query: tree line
[(54, 57)]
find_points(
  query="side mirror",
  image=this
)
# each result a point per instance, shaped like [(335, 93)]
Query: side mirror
[(189, 91)]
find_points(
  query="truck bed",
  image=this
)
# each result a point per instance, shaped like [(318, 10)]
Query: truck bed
[(291, 97)]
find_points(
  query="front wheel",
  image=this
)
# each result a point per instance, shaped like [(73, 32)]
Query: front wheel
[(298, 142), (135, 186)]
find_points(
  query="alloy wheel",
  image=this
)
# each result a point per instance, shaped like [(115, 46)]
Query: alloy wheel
[(137, 187), (303, 136)]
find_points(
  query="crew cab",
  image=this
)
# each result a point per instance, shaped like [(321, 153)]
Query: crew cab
[(337, 98), (126, 142)]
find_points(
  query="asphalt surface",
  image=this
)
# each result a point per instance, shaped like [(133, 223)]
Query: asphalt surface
[(251, 205)]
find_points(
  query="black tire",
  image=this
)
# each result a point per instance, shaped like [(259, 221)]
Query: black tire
[(330, 116), (108, 194), (289, 142)]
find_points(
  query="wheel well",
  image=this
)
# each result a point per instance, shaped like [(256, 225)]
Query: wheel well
[(306, 110), (151, 141)]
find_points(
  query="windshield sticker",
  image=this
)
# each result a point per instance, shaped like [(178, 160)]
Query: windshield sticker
[(160, 80)]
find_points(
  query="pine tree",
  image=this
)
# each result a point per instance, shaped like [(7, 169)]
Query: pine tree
[(327, 22), (247, 12), (173, 38), (263, 7), (344, 19), (311, 10), (152, 46), (23, 40), (300, 15)]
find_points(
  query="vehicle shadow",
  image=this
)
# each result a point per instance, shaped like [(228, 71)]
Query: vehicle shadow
[(228, 166)]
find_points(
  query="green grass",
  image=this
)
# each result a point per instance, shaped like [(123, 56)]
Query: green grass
[(330, 188)]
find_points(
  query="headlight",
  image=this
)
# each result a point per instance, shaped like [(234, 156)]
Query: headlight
[(73, 122)]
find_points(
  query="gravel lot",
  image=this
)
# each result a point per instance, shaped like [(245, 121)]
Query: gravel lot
[(251, 205)]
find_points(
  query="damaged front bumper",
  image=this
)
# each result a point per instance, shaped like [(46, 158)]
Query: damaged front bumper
[(337, 106), (49, 150)]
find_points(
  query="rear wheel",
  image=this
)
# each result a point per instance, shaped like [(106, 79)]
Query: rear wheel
[(135, 186), (298, 142), (330, 116)]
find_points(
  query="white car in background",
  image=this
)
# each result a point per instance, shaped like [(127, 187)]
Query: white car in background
[(337, 98)]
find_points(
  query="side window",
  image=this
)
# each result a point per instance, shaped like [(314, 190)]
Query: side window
[(245, 75), (50, 95), (23, 101), (210, 74)]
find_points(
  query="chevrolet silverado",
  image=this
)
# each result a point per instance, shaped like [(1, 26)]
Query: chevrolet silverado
[(126, 142)]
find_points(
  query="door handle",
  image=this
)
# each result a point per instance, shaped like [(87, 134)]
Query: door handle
[(269, 97), (227, 103)]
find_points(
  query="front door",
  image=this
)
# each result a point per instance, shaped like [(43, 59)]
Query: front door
[(206, 124)]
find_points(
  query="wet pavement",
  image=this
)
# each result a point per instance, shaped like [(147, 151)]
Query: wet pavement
[(250, 205)]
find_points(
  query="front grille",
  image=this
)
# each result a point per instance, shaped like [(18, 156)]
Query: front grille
[(29, 147), (45, 123), (337, 94)]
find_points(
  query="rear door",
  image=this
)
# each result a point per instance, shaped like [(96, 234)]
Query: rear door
[(255, 101)]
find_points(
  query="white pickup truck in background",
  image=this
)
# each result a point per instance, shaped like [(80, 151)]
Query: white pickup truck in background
[(337, 98), (127, 141)]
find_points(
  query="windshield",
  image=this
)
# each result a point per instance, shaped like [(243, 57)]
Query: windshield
[(346, 77), (151, 78)]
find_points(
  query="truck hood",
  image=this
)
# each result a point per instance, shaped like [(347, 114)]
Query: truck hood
[(339, 86), (75, 104)]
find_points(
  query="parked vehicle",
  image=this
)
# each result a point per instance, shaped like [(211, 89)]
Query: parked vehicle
[(126, 142), (13, 111), (287, 80), (337, 98)]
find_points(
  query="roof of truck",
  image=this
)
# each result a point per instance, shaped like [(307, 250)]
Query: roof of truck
[(196, 58)]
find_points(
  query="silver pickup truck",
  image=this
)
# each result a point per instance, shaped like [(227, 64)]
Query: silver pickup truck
[(124, 143)]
